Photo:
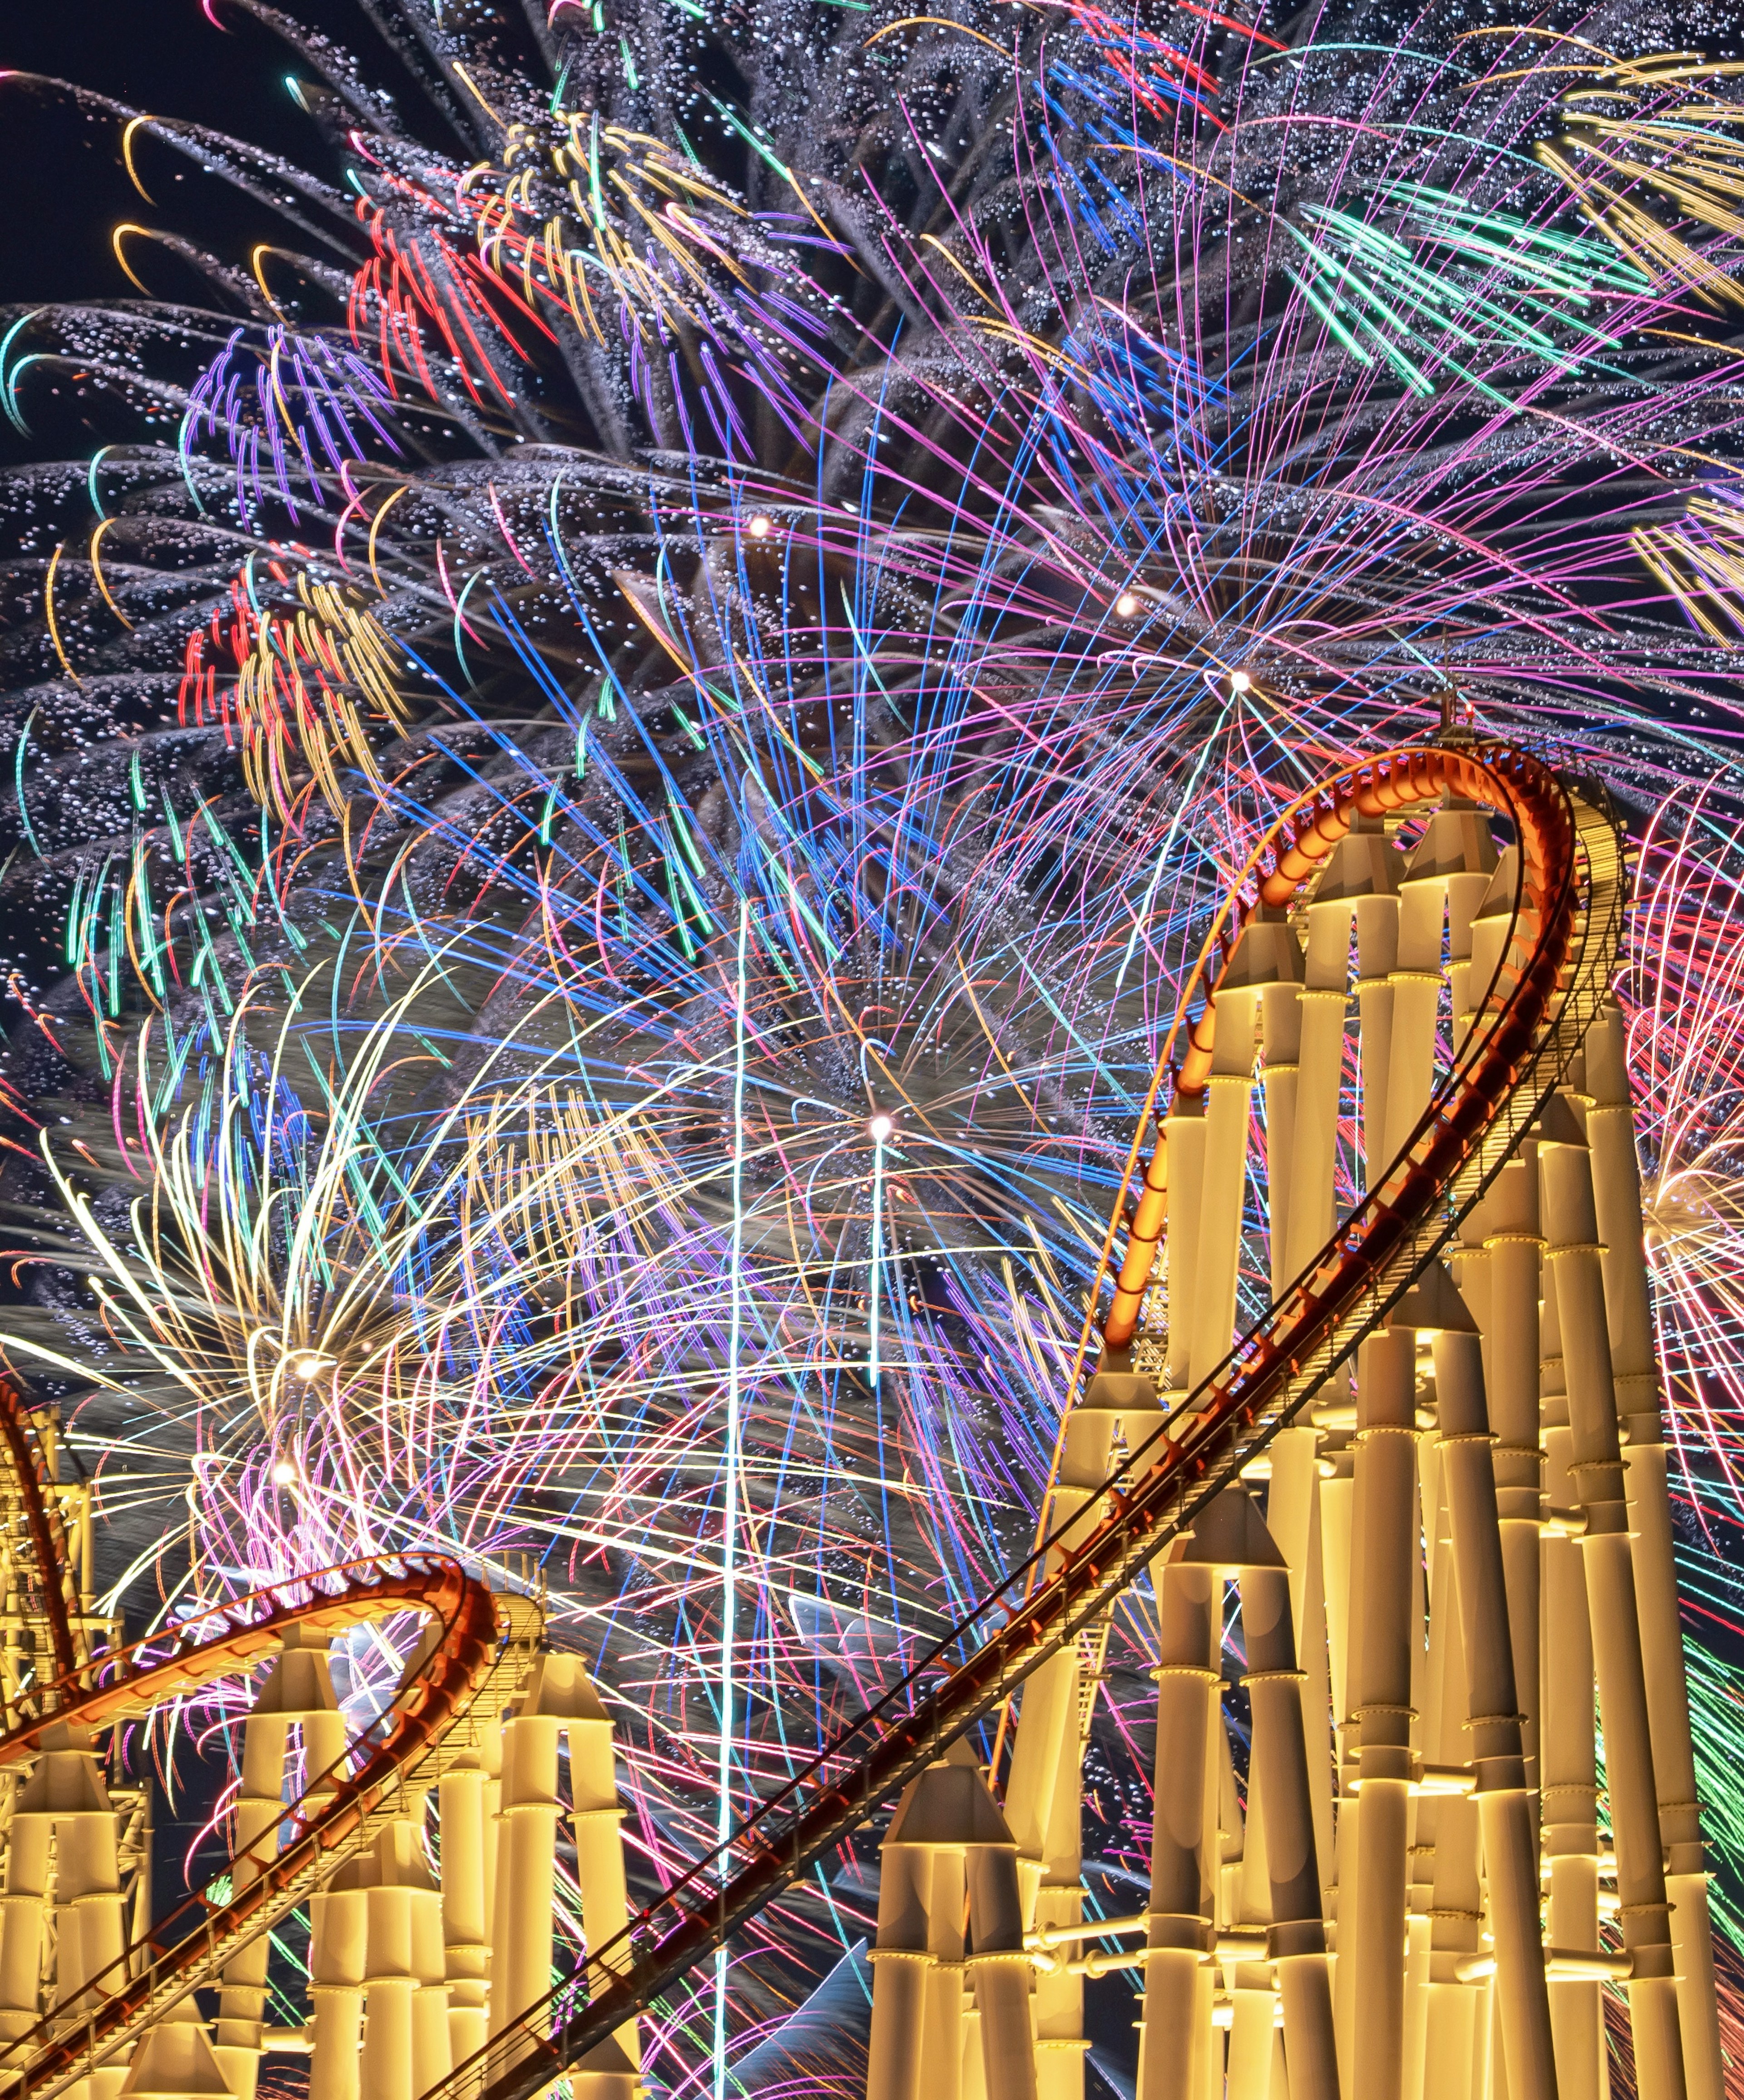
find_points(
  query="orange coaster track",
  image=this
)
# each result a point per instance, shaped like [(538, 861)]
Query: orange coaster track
[(474, 1655), (1555, 970), (1557, 958)]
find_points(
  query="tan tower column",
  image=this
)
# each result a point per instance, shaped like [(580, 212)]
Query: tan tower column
[(1280, 1053), (462, 1812), (558, 1700), (1046, 1741), (1452, 2002), (1229, 1110), (1617, 1192), (1492, 923), (1296, 1942), (1189, 1643), (950, 2027), (1243, 1917), (1508, 1306), (1504, 1809), (1060, 2045), (1417, 994), (920, 1930), (1569, 1790), (1000, 1968), (22, 1935), (1347, 1516), (337, 1929), (1571, 1236), (1386, 1435), (561, 1684), (946, 1839), (67, 1786), (1306, 1223), (1293, 1518), (1377, 958), (1337, 1535), (298, 1690), (1185, 1131), (173, 2060), (524, 1920), (259, 1804), (405, 2044), (1265, 965)]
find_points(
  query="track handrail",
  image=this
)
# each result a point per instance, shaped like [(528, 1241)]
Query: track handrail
[(1516, 1051)]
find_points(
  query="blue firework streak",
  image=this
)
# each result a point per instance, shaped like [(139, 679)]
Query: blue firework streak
[(616, 774)]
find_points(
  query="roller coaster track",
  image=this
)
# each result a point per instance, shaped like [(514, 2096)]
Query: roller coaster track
[(476, 1661), (1555, 967), (1528, 1027)]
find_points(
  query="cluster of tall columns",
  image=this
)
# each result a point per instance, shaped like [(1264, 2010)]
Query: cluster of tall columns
[(1462, 1582), (437, 1941), (424, 1947)]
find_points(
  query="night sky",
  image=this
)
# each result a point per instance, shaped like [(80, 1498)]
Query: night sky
[(63, 172)]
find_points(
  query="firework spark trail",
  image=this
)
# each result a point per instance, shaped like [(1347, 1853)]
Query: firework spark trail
[(650, 533)]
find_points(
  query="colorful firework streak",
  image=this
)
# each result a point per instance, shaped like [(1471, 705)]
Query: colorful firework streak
[(619, 758)]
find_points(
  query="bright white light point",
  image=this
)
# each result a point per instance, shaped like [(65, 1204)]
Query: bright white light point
[(304, 1363), (760, 527), (1240, 682), (880, 1128), (283, 1473), (1127, 604)]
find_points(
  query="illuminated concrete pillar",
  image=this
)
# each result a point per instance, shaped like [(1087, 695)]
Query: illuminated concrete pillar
[(525, 1921), (1377, 958), (1296, 1942), (559, 1701), (1058, 2004), (1569, 1791), (337, 1930), (948, 1842), (1617, 1192), (1386, 1433), (610, 2070), (1507, 1308), (405, 2037), (1264, 970), (67, 1789), (1185, 1133), (1362, 874), (1504, 1809), (1189, 1644), (1496, 936), (22, 1939), (1293, 1518), (1337, 1512), (1452, 2001), (1042, 1793), (920, 1932), (463, 1812), (1417, 981), (1307, 1218), (1000, 1968), (1229, 1111), (1046, 1740), (1596, 1462), (1281, 1054), (1349, 1529), (173, 2060), (298, 1692)]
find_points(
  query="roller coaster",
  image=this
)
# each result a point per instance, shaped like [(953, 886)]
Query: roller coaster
[(1450, 1411)]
